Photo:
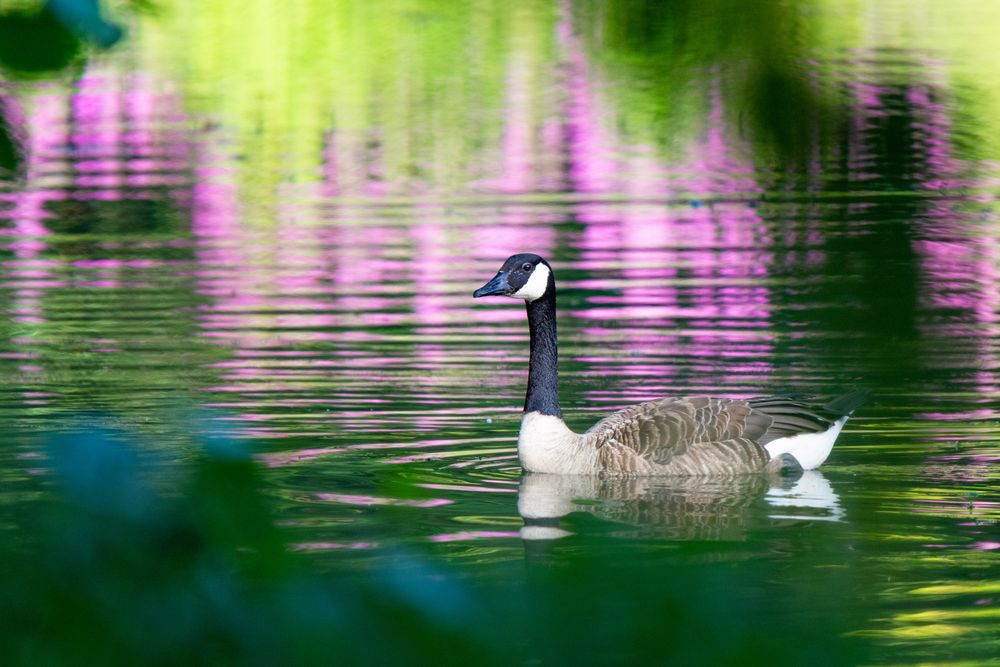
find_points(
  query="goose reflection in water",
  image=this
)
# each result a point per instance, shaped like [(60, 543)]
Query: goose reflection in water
[(681, 508)]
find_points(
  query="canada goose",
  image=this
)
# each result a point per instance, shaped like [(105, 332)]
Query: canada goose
[(698, 435)]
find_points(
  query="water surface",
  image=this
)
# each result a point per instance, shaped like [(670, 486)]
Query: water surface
[(165, 278)]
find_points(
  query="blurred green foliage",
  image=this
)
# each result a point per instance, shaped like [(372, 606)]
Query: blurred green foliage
[(425, 90), (11, 161), (692, 54), (407, 92), (36, 42), (131, 561), (43, 39)]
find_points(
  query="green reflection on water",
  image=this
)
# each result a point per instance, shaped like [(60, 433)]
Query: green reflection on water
[(413, 89), (420, 91)]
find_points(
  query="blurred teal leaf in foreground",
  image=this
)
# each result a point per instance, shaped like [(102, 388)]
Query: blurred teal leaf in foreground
[(85, 18)]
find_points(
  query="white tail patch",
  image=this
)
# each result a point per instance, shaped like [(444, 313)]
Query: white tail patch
[(537, 283), (809, 449)]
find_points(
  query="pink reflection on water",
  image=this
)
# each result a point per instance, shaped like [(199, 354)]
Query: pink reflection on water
[(334, 267), (369, 501), (698, 267), (960, 269), (432, 266), (963, 415), (26, 273), (466, 487), (985, 546), (97, 139), (466, 535), (332, 546), (518, 160), (339, 279), (300, 456), (442, 442), (590, 145), (432, 456)]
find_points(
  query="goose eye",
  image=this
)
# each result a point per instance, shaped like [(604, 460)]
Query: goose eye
[(526, 267)]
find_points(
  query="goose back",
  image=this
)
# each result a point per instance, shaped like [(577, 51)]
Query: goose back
[(682, 436)]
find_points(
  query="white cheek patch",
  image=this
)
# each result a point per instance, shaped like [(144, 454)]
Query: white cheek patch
[(537, 283)]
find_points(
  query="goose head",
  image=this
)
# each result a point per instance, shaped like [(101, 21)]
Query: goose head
[(524, 276)]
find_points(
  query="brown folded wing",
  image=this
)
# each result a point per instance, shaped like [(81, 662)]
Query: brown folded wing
[(691, 436)]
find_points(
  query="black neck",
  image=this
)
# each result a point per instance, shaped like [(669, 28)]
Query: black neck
[(543, 367)]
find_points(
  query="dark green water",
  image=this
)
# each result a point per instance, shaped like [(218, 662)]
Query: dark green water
[(171, 276)]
